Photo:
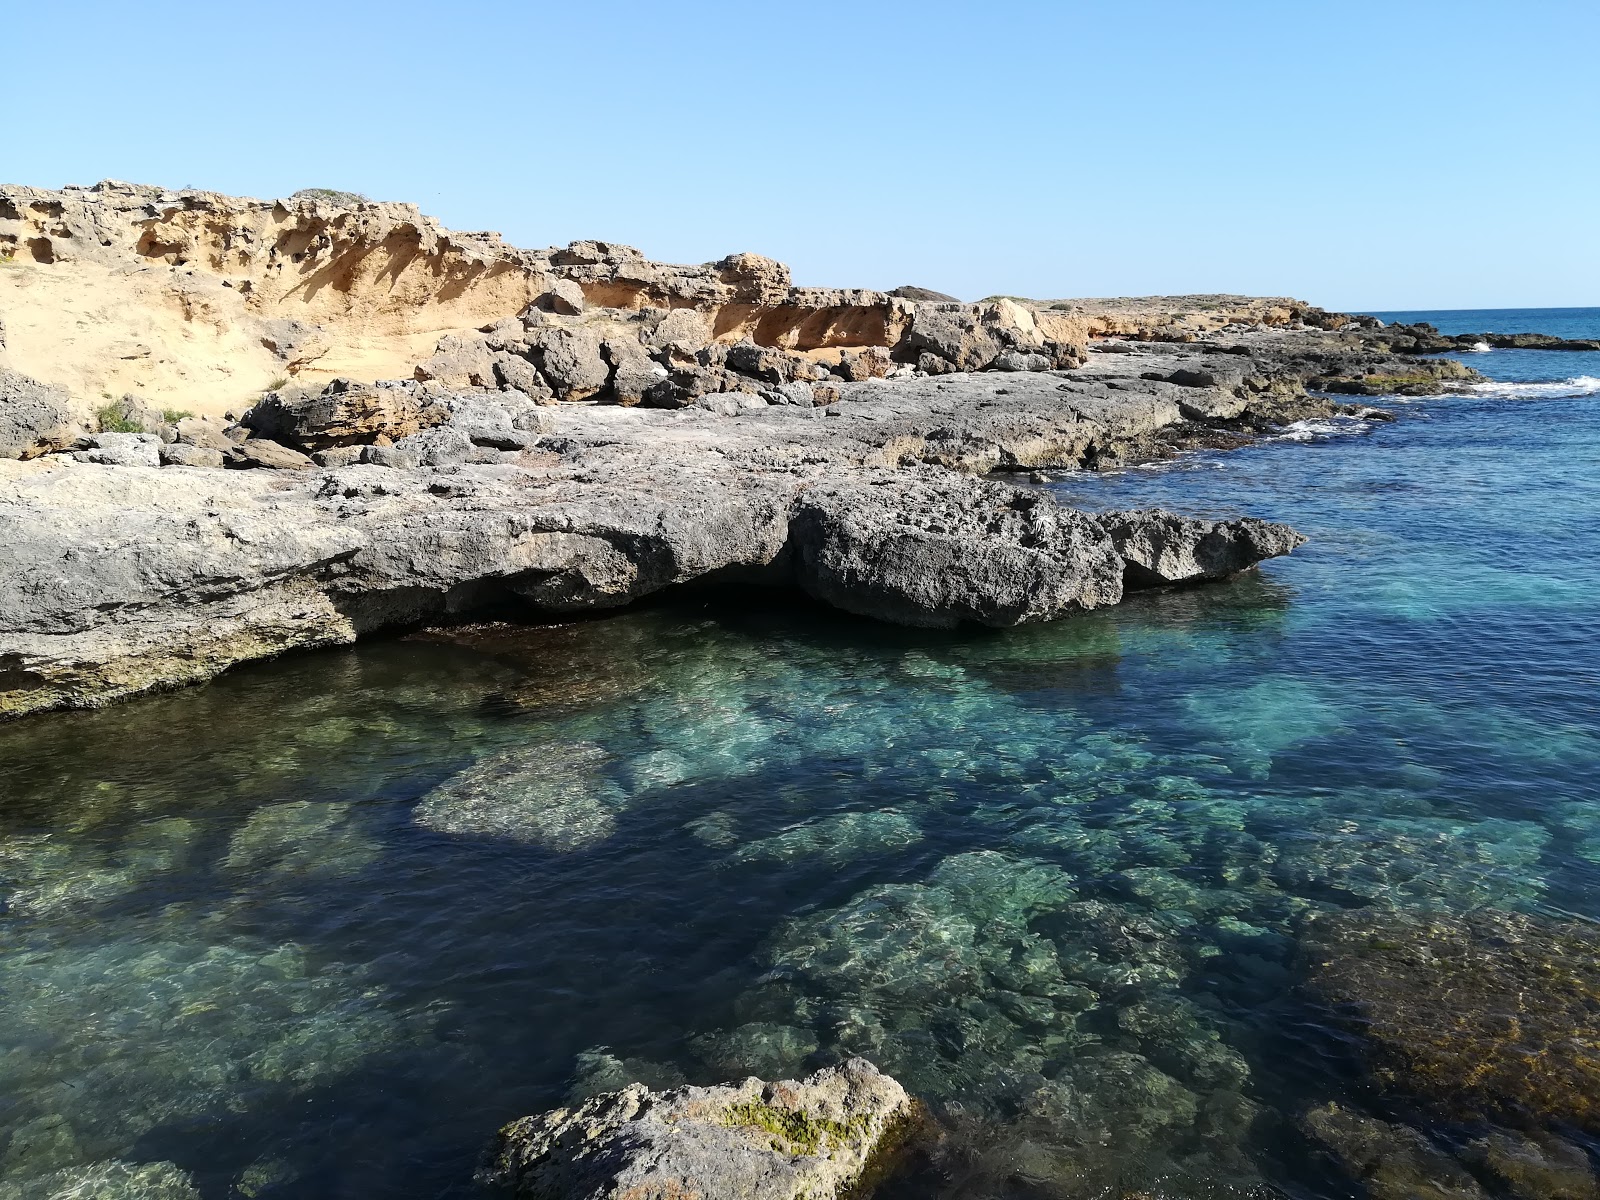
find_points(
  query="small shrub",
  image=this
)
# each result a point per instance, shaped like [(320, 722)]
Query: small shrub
[(109, 418), (173, 415), (332, 196), (282, 381)]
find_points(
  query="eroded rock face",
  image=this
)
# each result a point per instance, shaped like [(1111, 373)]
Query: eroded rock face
[(811, 1138), (35, 418), (932, 554), (341, 414), (1160, 548)]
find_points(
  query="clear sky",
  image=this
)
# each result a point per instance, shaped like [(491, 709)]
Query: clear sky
[(1405, 154)]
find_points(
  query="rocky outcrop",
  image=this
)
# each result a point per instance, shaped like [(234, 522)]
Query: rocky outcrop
[(34, 417), (1159, 549), (812, 1139), (1486, 1014)]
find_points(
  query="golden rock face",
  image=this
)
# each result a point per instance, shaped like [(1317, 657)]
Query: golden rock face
[(1489, 1013)]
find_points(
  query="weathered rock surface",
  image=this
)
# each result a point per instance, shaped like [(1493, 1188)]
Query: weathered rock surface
[(812, 1138), (35, 418), (1159, 548), (130, 578)]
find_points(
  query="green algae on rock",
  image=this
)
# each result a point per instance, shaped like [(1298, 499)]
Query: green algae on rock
[(1482, 1013), (811, 1139)]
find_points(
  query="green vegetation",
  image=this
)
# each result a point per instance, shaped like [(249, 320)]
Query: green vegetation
[(109, 418), (173, 415), (282, 381), (332, 196), (794, 1131)]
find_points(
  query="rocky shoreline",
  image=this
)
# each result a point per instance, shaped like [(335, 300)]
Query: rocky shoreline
[(627, 427)]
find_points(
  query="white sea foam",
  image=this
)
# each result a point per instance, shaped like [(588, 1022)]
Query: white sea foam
[(1479, 348), (1322, 427), (1579, 385)]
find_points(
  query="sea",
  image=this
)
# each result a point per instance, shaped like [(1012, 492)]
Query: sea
[(1094, 891)]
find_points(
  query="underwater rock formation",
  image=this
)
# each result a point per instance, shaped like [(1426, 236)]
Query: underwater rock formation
[(812, 1138), (105, 1181), (1483, 1013)]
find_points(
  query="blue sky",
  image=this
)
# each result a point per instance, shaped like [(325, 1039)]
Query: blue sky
[(1360, 155)]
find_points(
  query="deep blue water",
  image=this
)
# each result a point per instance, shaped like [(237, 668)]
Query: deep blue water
[(317, 929)]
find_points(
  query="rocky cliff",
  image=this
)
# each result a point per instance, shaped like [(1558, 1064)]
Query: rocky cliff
[(591, 428)]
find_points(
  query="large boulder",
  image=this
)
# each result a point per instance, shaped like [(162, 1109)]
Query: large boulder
[(341, 414), (35, 418), (940, 550), (1159, 548), (459, 361), (813, 1138), (570, 360)]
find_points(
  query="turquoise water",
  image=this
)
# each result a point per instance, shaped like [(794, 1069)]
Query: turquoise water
[(317, 929)]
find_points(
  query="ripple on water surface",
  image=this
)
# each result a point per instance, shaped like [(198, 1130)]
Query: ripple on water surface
[(1109, 895)]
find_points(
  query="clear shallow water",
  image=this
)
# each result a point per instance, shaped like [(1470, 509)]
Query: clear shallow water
[(317, 929)]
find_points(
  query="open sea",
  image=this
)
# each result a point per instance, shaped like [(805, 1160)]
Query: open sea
[(1109, 894)]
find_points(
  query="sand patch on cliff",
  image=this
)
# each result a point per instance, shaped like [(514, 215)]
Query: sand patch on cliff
[(101, 331)]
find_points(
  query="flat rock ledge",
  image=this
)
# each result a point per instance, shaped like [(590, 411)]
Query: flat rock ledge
[(814, 1138)]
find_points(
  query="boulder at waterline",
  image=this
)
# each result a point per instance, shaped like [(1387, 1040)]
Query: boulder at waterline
[(814, 1137)]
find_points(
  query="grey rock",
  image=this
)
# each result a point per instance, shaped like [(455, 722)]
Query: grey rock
[(633, 373), (35, 418), (184, 454), (122, 450), (953, 334), (1019, 360), (341, 414), (263, 452), (515, 372), (490, 422), (570, 361), (935, 551), (907, 292), (787, 1140), (565, 296), (459, 361), (1161, 548), (204, 432)]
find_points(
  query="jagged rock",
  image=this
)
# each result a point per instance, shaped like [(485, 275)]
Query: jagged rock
[(1160, 548), (204, 432), (121, 450), (811, 1139), (870, 362), (905, 551), (487, 422), (35, 418), (184, 454), (681, 334), (1391, 1161), (341, 414), (768, 364), (633, 373), (459, 361), (564, 296), (570, 361), (953, 334), (515, 372), (263, 452)]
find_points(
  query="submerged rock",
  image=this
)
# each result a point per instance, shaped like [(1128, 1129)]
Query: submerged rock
[(1486, 1013), (814, 1138), (551, 795), (105, 1181), (1392, 1162)]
